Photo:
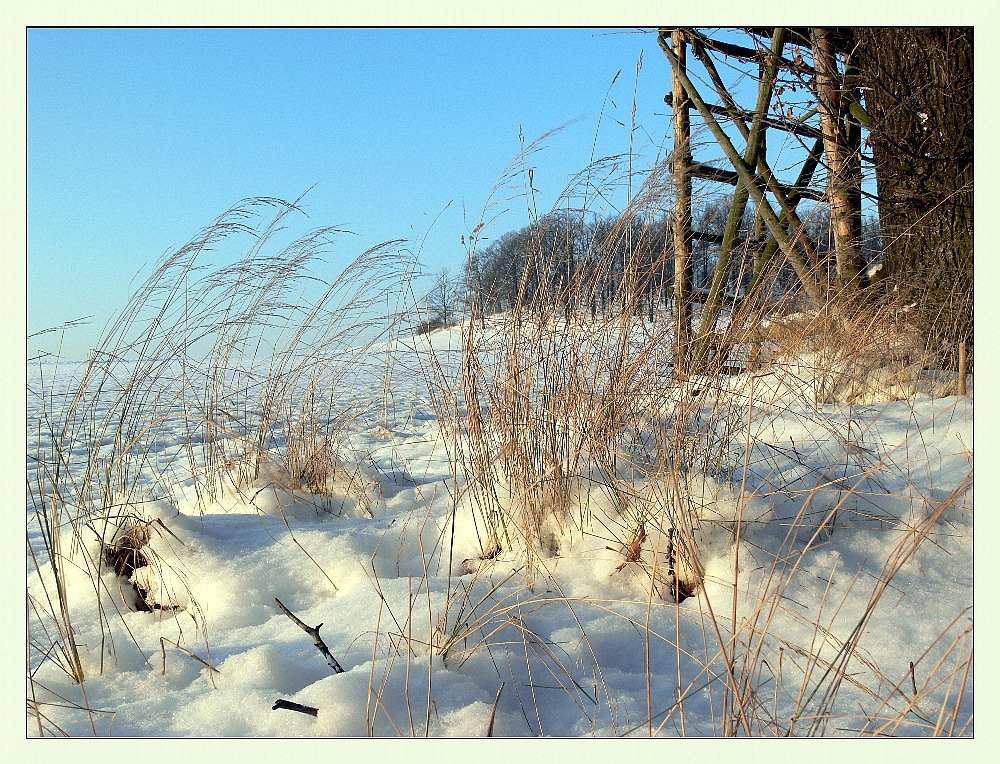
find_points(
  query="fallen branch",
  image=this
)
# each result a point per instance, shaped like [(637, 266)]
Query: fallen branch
[(290, 705), (317, 639)]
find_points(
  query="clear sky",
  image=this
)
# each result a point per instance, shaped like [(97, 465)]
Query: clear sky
[(137, 138)]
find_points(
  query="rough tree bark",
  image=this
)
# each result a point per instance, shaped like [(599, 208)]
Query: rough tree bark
[(919, 101)]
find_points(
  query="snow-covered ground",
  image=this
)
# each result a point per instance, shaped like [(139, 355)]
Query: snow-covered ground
[(829, 630)]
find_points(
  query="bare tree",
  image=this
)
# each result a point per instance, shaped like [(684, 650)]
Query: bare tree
[(443, 300)]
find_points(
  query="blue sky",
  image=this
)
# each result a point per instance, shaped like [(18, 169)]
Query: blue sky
[(137, 138)]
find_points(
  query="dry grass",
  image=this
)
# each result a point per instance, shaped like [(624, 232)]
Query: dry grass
[(569, 431), (568, 434), (221, 372)]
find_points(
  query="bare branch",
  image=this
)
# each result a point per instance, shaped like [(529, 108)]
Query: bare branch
[(317, 639)]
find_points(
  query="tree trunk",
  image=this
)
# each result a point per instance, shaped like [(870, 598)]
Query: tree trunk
[(843, 161), (682, 211), (804, 261), (756, 147), (920, 105)]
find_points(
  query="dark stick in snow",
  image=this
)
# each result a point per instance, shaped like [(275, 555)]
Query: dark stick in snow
[(317, 639), (293, 706)]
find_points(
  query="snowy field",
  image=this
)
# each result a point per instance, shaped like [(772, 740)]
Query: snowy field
[(860, 627)]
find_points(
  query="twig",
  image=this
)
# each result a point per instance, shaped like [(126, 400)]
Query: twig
[(317, 639), (163, 651), (290, 705), (634, 549)]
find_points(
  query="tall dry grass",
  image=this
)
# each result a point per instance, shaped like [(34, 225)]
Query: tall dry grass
[(226, 368), (569, 431)]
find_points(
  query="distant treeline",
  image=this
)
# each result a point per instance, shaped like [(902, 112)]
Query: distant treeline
[(595, 265)]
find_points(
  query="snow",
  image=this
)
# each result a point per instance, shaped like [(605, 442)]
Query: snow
[(428, 634)]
